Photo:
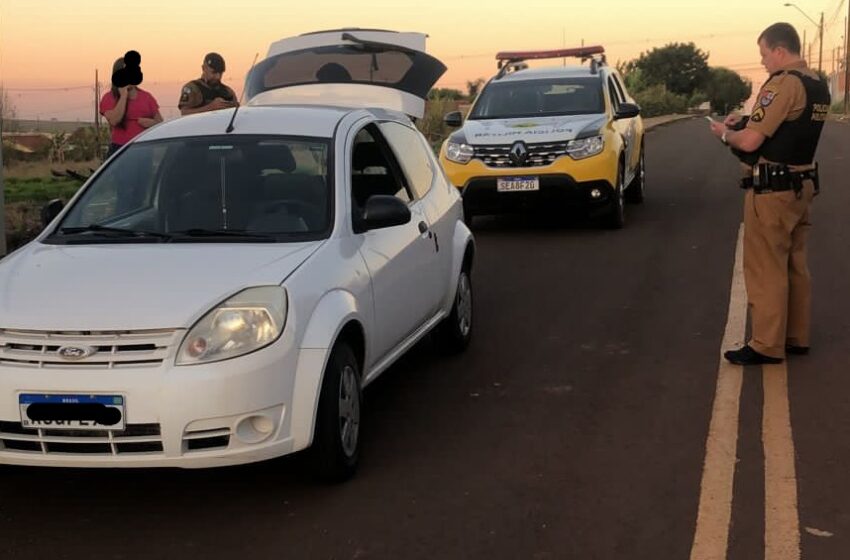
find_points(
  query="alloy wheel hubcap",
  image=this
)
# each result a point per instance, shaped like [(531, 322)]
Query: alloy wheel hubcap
[(464, 304), (349, 411)]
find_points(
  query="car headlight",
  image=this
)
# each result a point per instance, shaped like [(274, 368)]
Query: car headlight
[(585, 147), (248, 321), (459, 153)]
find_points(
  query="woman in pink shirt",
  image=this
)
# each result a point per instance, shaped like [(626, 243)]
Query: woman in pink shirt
[(129, 110)]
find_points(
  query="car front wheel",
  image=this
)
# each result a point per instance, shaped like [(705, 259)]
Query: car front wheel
[(455, 331), (336, 443), (634, 194), (616, 217)]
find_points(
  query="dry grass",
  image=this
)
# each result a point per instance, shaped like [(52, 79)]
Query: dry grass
[(41, 169)]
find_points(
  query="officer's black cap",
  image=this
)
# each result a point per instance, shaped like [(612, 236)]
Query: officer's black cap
[(214, 61)]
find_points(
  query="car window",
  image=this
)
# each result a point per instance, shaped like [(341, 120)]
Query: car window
[(403, 69), (260, 184), (374, 170), (412, 153), (620, 89), (615, 95), (542, 97)]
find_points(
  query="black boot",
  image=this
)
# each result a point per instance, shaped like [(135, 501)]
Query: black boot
[(746, 356)]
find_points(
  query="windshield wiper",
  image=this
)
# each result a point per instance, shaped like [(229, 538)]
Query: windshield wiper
[(234, 233), (109, 229)]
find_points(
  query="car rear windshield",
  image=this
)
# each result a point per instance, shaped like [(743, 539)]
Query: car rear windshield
[(535, 98), (207, 189), (403, 69)]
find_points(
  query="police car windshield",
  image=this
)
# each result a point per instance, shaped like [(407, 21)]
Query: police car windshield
[(535, 98), (207, 189)]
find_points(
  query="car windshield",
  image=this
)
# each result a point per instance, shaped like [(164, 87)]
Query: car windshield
[(535, 98), (207, 189)]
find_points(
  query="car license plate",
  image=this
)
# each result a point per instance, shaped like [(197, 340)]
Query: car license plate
[(72, 412), (516, 184)]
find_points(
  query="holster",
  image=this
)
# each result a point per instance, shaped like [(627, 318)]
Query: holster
[(770, 177)]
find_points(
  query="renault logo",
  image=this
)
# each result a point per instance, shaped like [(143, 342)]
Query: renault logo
[(518, 153), (73, 353)]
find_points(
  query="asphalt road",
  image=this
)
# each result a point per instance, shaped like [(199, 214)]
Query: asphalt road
[(574, 427)]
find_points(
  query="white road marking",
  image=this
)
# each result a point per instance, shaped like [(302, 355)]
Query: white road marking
[(711, 538), (782, 524)]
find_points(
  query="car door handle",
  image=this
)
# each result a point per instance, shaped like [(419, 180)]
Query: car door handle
[(423, 227)]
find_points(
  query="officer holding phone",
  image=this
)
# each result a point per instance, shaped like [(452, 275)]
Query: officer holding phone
[(781, 136), (207, 93)]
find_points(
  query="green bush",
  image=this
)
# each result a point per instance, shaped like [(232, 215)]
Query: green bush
[(39, 189), (24, 200), (656, 100)]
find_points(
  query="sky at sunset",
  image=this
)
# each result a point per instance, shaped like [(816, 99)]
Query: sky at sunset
[(49, 49)]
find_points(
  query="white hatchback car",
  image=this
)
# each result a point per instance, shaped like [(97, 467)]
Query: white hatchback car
[(222, 288)]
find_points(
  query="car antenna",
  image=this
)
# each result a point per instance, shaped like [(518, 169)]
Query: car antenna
[(229, 128)]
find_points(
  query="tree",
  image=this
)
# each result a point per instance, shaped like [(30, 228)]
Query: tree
[(7, 109), (727, 90), (473, 87), (445, 93), (682, 68)]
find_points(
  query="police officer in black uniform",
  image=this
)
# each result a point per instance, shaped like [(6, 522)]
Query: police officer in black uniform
[(778, 141), (207, 93)]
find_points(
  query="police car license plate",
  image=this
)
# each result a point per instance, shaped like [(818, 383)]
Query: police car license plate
[(514, 184), (72, 412)]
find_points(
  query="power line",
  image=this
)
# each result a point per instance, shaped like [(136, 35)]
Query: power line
[(69, 88)]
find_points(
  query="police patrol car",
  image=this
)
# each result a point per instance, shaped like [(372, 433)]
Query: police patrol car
[(549, 137), (220, 290)]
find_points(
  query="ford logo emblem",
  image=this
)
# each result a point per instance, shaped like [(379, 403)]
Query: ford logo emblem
[(76, 352)]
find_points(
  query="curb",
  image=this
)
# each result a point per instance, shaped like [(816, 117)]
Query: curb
[(665, 120)]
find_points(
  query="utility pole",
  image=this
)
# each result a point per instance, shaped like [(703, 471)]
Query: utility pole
[(2, 198), (820, 36), (97, 115), (846, 61)]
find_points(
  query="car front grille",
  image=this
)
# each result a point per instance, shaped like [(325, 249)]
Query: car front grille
[(94, 350), (538, 154), (134, 439)]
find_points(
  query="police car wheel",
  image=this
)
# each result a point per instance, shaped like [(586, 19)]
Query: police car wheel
[(616, 217), (634, 194)]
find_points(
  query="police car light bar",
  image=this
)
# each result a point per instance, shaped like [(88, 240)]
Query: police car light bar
[(581, 52)]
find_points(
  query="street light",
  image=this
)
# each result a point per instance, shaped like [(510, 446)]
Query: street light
[(818, 25)]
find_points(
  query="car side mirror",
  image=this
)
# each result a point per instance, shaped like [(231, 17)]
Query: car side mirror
[(453, 119), (50, 210), (383, 211), (627, 111)]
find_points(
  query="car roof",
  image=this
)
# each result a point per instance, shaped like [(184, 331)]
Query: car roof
[(551, 72), (290, 120)]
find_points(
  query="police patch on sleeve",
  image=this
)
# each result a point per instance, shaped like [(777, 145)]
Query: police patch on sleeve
[(758, 115), (184, 95), (766, 98)]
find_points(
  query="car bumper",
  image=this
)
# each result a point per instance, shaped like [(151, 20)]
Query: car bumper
[(564, 183), (188, 416), (556, 193)]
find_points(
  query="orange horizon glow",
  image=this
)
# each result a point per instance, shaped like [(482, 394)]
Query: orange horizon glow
[(74, 38)]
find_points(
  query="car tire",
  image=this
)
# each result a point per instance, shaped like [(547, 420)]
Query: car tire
[(336, 442), (616, 217), (455, 331), (635, 192)]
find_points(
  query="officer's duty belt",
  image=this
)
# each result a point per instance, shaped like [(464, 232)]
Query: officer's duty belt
[(770, 178)]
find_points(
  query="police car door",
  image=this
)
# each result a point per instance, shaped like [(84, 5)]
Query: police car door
[(626, 127)]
